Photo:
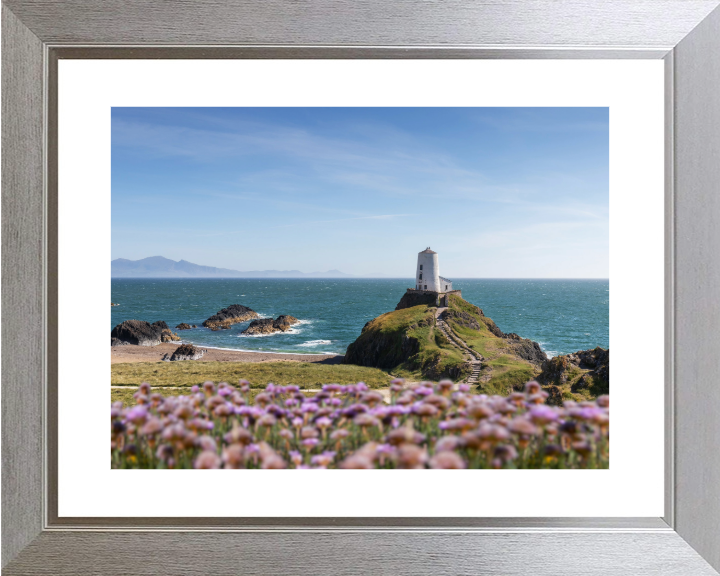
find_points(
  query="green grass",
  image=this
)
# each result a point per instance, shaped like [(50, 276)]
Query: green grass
[(397, 320), (437, 356), (306, 375), (126, 396), (507, 370), (407, 343)]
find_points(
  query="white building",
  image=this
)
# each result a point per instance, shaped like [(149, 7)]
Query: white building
[(427, 275)]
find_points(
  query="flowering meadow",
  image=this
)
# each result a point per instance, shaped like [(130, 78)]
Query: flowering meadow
[(424, 425)]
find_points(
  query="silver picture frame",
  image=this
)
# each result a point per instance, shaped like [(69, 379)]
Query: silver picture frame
[(37, 34)]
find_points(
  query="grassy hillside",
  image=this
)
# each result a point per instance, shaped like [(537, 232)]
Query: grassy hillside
[(407, 343), (502, 368)]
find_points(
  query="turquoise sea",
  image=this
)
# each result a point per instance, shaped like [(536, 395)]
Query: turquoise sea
[(562, 315)]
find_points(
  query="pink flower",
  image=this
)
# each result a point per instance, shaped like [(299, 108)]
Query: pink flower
[(207, 460), (357, 462), (532, 387), (447, 460), (323, 422), (137, 414), (542, 414)]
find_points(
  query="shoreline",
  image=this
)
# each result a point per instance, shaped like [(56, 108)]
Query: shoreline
[(134, 353)]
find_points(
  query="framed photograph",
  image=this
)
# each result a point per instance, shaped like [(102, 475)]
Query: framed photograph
[(391, 249)]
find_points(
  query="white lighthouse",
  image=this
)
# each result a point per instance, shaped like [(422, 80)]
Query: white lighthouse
[(427, 275)]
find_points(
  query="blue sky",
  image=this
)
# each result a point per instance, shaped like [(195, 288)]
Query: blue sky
[(497, 192)]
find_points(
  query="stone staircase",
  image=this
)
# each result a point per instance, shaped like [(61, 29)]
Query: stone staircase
[(474, 357)]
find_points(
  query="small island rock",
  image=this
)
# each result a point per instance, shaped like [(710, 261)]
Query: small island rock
[(269, 326), (228, 316)]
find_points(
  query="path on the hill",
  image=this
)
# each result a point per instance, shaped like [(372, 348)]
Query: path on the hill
[(472, 356)]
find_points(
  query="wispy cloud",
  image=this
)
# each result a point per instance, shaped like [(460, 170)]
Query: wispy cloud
[(489, 184)]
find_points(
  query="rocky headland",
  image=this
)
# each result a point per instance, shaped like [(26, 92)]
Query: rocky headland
[(229, 316), (142, 333), (420, 340), (269, 326)]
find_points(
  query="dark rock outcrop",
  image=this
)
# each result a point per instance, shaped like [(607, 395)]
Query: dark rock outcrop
[(554, 396), (142, 333), (598, 360), (381, 350), (527, 349), (229, 316), (585, 370), (269, 326), (461, 318), (187, 352), (113, 304), (494, 330), (554, 370), (411, 299), (183, 326), (137, 332), (169, 336)]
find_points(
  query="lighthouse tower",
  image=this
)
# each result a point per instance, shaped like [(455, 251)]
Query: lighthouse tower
[(427, 276)]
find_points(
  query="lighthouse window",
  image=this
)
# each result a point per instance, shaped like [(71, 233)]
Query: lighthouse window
[(425, 286), (420, 276), (420, 266), (445, 286)]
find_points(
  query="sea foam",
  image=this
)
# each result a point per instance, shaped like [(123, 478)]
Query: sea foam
[(311, 343)]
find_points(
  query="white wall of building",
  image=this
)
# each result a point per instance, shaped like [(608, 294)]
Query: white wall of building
[(445, 284), (428, 267)]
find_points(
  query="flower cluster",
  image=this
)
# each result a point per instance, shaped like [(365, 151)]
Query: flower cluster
[(424, 425)]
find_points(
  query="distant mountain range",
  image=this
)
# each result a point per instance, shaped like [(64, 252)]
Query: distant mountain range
[(160, 267)]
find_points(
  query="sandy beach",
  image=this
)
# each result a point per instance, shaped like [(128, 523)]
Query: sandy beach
[(132, 353)]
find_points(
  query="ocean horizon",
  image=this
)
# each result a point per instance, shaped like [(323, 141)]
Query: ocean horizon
[(562, 315)]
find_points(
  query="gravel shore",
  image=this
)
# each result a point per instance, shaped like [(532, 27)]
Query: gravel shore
[(132, 353)]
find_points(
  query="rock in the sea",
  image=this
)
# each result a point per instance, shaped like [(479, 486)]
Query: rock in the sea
[(183, 326), (284, 322), (268, 325), (187, 352), (113, 304), (230, 315), (168, 336), (138, 332)]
